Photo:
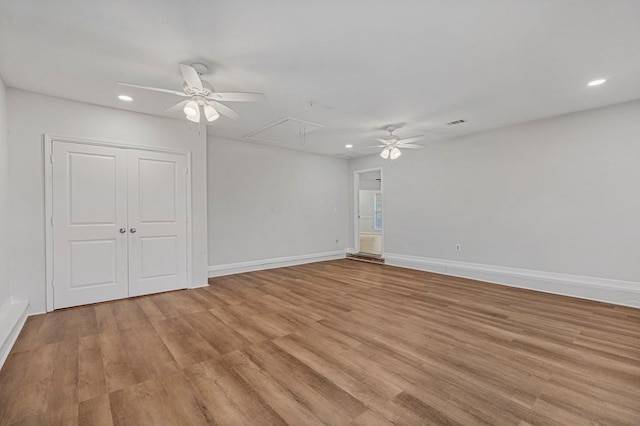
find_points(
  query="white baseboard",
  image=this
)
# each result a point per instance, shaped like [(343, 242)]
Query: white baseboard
[(278, 262), (619, 292), (198, 286), (13, 314)]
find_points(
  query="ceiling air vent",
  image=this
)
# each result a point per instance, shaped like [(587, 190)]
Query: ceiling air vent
[(453, 123)]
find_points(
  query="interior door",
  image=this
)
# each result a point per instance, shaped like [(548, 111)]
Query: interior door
[(89, 224), (369, 205), (157, 222)]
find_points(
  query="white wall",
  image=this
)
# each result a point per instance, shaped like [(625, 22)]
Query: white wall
[(558, 195), (267, 202), (5, 291), (30, 116)]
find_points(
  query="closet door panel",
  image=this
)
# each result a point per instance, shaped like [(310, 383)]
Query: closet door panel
[(157, 222), (89, 211)]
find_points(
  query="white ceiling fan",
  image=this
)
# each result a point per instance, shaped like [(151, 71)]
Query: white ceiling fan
[(393, 144), (202, 95)]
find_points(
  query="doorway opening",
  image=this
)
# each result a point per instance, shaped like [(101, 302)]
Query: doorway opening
[(369, 213)]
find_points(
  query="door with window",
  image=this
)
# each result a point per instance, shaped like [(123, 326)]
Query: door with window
[(119, 223)]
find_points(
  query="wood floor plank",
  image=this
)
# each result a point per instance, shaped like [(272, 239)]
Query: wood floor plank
[(62, 392), (62, 409), (177, 303), (105, 319), (427, 413), (128, 314), (370, 395), (167, 400), (327, 410), (372, 418), (289, 406), (150, 309), (217, 334), (95, 411), (91, 377), (185, 344), (252, 326), (337, 342), (147, 355), (27, 401), (31, 334), (118, 371), (228, 397), (348, 404)]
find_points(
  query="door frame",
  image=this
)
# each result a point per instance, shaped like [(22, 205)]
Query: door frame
[(356, 208), (48, 141)]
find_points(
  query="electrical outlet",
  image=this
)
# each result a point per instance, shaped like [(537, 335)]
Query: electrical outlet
[(458, 247)]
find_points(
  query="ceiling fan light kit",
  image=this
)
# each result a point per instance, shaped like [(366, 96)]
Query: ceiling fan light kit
[(390, 153), (192, 111), (210, 113), (202, 94), (391, 146)]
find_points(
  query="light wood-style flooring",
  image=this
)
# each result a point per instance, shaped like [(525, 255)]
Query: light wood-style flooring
[(334, 343)]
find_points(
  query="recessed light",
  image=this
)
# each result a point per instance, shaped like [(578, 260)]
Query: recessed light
[(348, 145), (125, 98), (597, 82)]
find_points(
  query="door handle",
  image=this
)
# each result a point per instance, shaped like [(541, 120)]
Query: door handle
[(123, 230), (132, 230)]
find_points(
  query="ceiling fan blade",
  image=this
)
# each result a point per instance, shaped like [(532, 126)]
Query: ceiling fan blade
[(373, 146), (225, 110), (177, 107), (155, 89), (384, 141), (238, 97), (411, 146), (191, 77), (413, 139)]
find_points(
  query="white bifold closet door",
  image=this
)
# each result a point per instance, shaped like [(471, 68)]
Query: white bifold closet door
[(119, 223)]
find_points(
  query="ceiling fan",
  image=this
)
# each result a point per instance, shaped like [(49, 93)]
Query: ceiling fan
[(202, 95), (393, 144)]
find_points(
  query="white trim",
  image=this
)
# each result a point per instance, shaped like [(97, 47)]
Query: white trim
[(199, 286), (356, 210), (190, 283), (48, 202), (13, 314), (47, 142), (278, 262), (619, 292)]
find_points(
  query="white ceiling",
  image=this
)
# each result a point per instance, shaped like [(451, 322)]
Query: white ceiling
[(353, 66)]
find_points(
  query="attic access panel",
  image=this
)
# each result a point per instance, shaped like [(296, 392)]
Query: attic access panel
[(285, 131)]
